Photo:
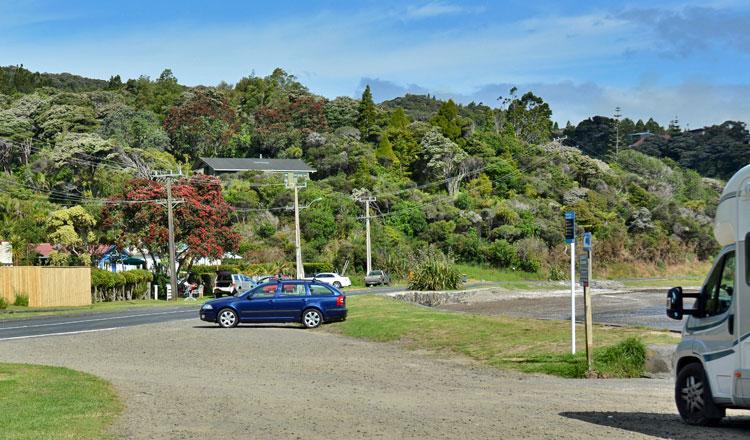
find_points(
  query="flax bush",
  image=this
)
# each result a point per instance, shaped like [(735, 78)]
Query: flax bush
[(434, 271)]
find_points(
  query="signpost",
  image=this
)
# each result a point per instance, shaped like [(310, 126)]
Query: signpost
[(585, 277), (570, 238)]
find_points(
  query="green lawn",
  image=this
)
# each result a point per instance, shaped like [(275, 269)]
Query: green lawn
[(39, 402), (114, 306), (527, 345)]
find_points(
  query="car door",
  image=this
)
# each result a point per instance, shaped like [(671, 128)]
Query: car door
[(291, 299), (259, 304), (714, 332)]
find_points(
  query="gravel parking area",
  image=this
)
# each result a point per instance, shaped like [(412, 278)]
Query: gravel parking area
[(185, 380)]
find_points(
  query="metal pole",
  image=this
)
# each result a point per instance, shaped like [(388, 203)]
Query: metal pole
[(573, 297), (589, 320), (172, 257), (300, 269), (369, 248)]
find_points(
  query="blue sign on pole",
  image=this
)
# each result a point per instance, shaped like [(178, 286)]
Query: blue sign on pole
[(570, 227), (587, 241)]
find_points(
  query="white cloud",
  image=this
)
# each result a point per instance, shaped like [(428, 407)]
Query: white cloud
[(433, 9)]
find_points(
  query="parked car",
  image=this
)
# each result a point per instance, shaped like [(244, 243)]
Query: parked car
[(308, 302), (228, 283), (377, 277), (332, 278)]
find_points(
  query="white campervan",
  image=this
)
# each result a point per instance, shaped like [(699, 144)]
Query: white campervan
[(712, 362)]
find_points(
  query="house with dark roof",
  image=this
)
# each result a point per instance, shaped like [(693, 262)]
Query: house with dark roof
[(213, 166)]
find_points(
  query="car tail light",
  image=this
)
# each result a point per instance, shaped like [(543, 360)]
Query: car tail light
[(340, 301)]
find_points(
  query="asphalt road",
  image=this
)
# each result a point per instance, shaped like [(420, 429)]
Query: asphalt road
[(644, 308), (23, 328)]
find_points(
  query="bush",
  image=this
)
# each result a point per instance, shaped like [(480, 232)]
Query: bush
[(111, 286), (502, 254), (3, 303), (624, 359), (434, 271), (21, 300)]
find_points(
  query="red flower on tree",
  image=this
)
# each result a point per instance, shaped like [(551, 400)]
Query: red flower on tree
[(202, 220)]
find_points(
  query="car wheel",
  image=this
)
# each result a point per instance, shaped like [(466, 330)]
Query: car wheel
[(234, 292), (312, 318), (336, 284), (227, 318), (693, 397), (217, 293)]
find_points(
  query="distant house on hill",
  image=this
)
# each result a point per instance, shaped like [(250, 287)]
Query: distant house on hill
[(214, 166)]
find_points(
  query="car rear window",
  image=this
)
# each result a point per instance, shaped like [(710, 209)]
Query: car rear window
[(293, 290), (374, 273), (320, 290)]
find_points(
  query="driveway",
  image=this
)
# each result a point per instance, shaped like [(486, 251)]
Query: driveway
[(185, 380)]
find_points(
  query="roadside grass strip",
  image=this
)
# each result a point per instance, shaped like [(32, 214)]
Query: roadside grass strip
[(528, 345), (40, 402)]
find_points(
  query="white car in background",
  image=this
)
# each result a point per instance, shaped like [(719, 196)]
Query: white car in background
[(332, 278)]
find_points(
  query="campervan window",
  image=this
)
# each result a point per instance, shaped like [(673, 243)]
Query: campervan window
[(720, 286)]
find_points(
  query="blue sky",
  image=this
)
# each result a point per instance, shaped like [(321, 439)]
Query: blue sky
[(661, 59)]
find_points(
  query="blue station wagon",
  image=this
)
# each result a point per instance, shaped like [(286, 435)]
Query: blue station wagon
[(308, 302)]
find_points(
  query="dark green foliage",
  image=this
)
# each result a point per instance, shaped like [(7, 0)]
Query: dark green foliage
[(21, 300), (530, 117), (434, 271), (3, 303), (481, 184), (592, 135), (366, 115), (716, 151), (448, 121), (114, 286), (624, 359)]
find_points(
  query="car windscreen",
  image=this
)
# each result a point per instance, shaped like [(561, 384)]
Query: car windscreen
[(374, 273)]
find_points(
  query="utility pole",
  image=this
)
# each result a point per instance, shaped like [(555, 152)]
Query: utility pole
[(362, 195), (168, 178), (295, 182)]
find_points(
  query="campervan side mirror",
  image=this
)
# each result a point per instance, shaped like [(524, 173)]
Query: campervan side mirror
[(675, 308), (675, 303)]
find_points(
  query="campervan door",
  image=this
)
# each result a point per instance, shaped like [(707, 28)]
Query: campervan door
[(741, 376)]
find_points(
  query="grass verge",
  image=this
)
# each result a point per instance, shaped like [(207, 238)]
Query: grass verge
[(528, 345), (51, 402)]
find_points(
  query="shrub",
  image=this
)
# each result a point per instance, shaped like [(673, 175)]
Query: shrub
[(502, 254), (434, 271), (21, 300), (624, 359), (3, 303)]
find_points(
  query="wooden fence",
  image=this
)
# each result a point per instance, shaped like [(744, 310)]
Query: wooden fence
[(47, 286)]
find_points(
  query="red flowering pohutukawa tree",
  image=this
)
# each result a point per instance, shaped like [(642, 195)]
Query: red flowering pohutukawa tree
[(202, 222)]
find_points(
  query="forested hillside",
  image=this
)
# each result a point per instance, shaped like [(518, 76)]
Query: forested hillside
[(483, 185)]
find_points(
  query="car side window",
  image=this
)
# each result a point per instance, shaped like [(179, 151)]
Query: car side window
[(720, 286), (293, 290), (319, 290), (264, 291)]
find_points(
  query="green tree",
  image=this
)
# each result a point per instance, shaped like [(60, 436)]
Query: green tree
[(445, 159), (385, 154), (367, 115), (448, 120), (530, 116), (72, 228)]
